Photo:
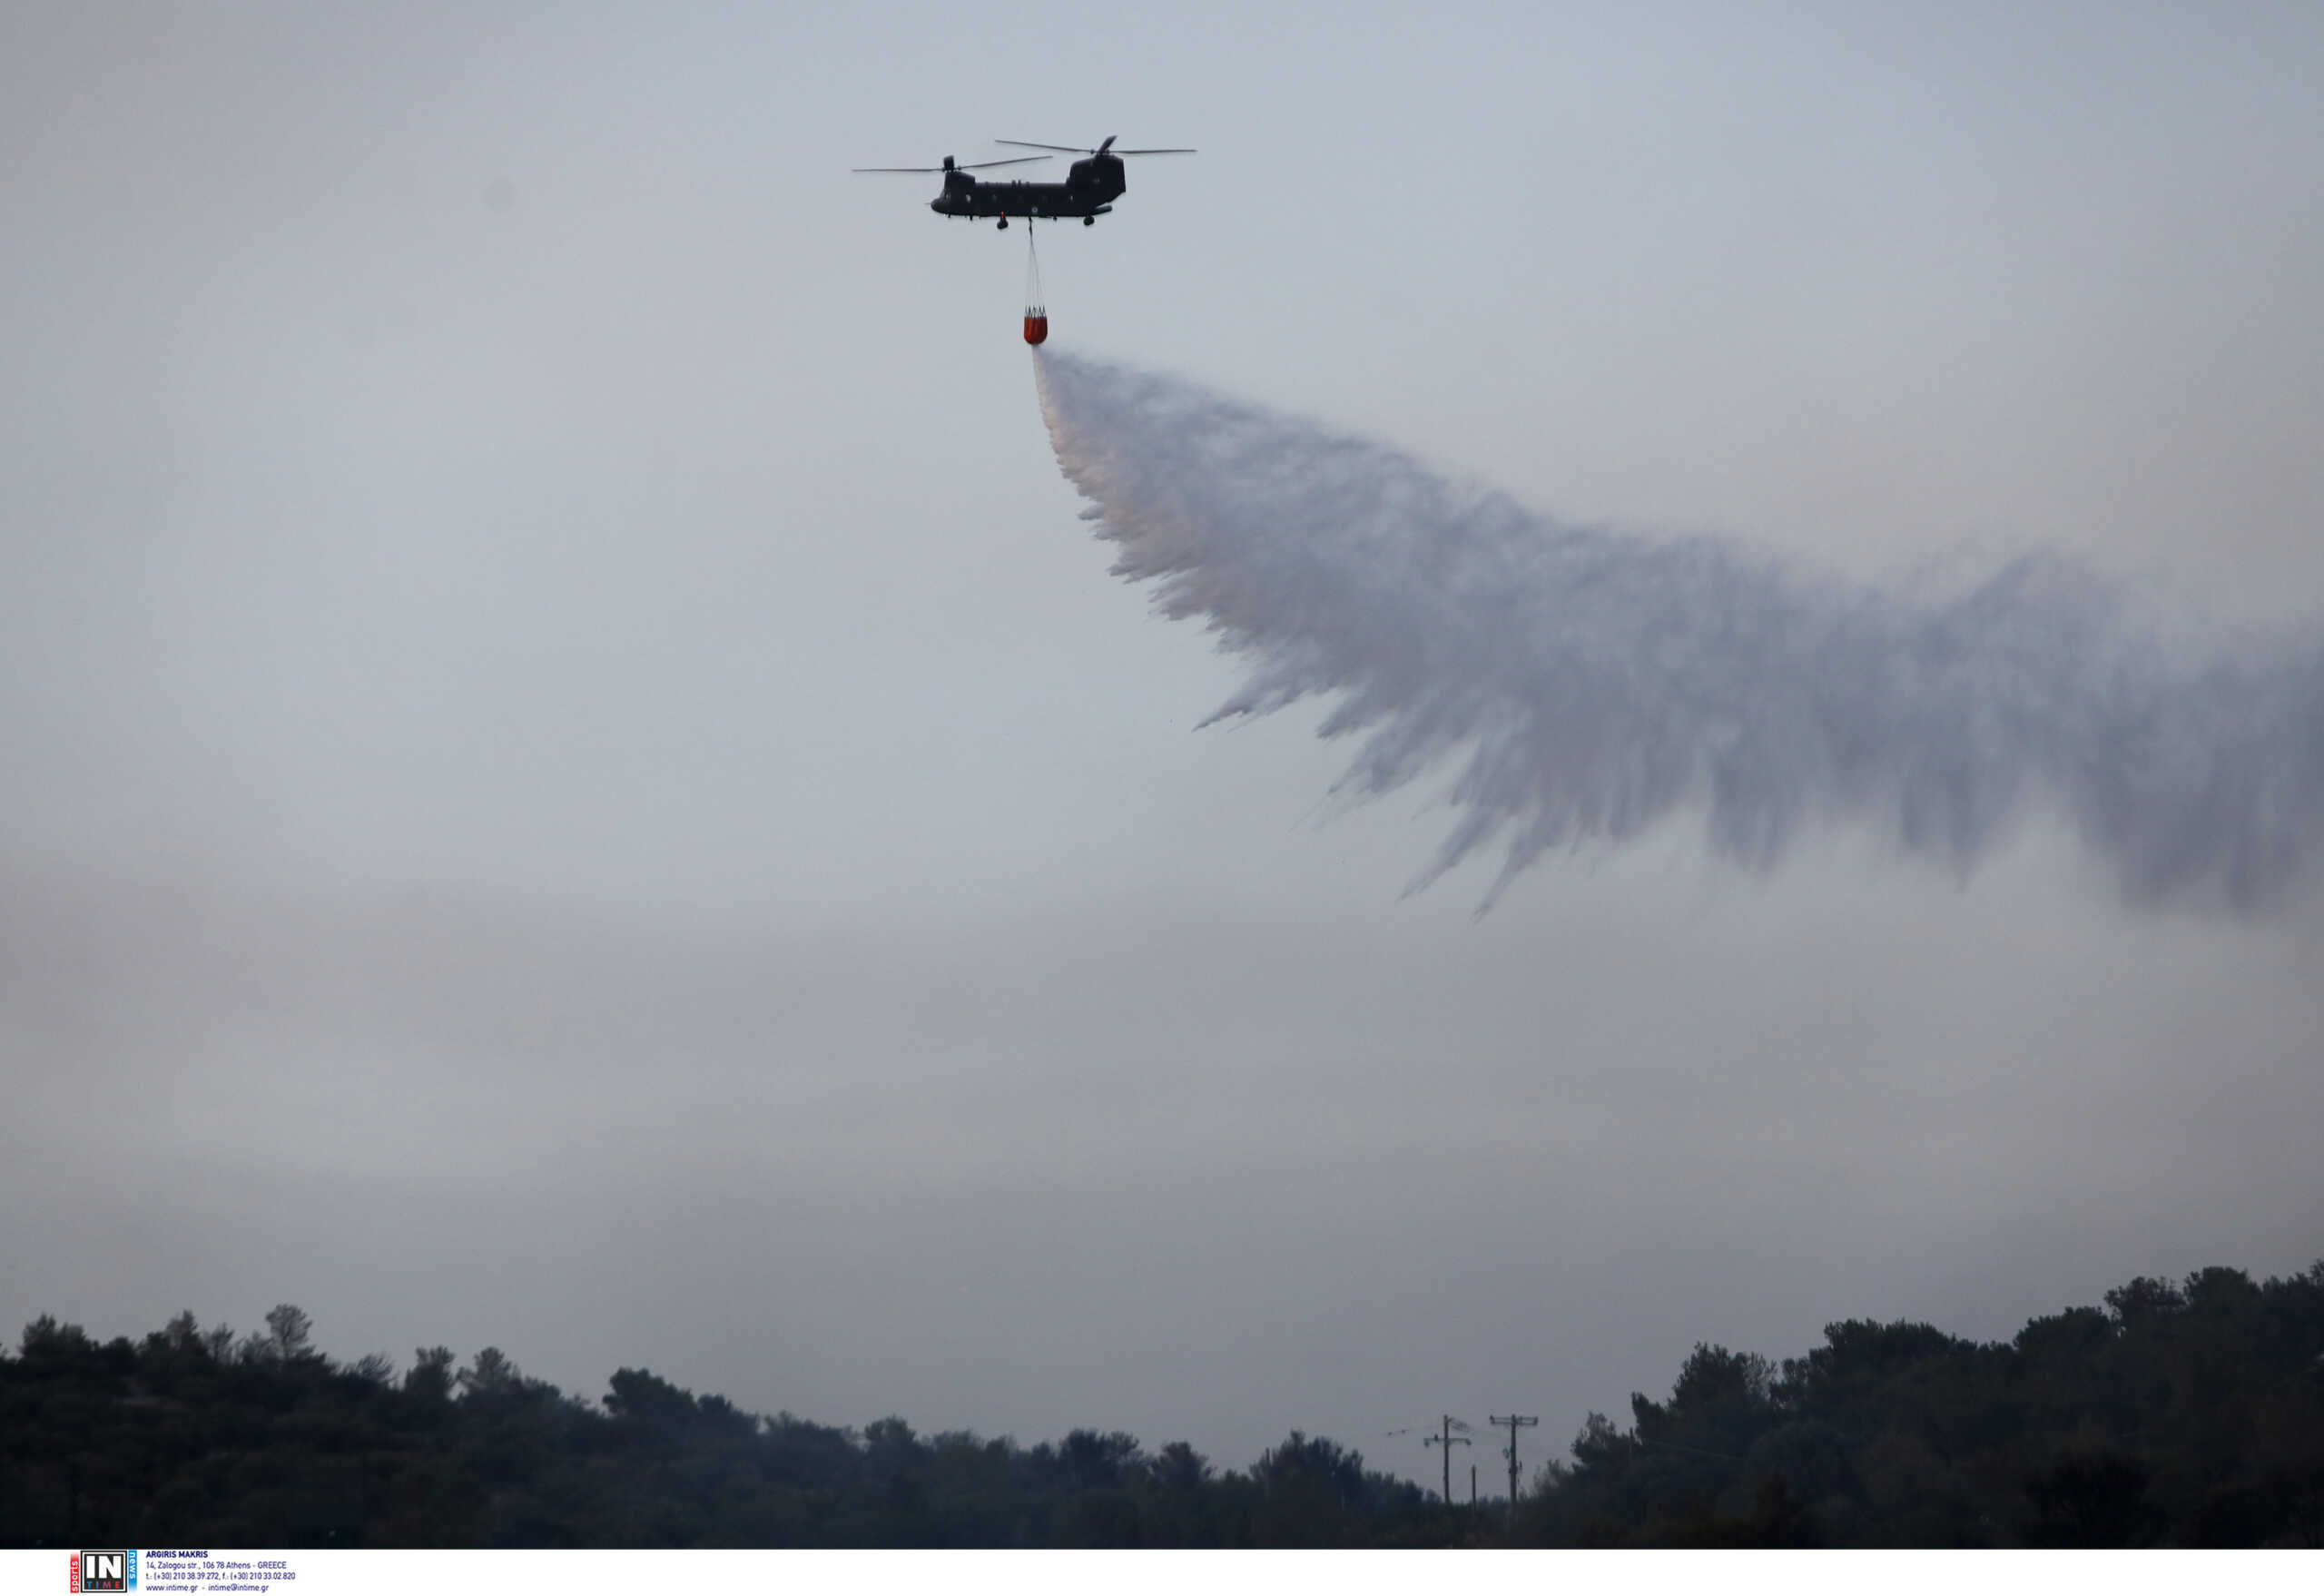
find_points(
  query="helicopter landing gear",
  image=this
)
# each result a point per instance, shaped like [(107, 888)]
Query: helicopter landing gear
[(1088, 222), (1001, 225)]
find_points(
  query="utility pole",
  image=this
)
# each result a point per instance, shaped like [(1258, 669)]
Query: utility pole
[(1472, 1486), (1515, 1422), (1448, 1440)]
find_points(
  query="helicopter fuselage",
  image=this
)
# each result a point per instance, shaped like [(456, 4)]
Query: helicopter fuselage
[(1089, 188)]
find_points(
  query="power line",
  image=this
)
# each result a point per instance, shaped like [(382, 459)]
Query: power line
[(1515, 1422), (1448, 1440)]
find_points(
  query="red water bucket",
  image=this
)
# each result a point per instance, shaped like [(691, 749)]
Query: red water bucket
[(1037, 328)]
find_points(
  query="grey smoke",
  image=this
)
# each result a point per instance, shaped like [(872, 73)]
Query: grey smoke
[(1584, 683)]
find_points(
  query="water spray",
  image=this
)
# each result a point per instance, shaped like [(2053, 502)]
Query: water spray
[(1581, 685)]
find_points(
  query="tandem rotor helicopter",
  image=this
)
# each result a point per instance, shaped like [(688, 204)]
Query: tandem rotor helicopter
[(1090, 190)]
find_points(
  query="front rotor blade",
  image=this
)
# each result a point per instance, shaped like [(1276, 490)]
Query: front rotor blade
[(1158, 151), (1061, 149), (895, 169), (1014, 160)]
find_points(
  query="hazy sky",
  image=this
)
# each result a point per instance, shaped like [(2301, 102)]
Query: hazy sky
[(573, 781)]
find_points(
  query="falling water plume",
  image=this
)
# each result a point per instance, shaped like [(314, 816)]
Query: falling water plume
[(1584, 683)]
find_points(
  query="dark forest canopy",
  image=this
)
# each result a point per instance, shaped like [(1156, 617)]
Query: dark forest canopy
[(2187, 1414)]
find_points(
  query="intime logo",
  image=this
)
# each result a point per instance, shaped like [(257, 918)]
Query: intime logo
[(104, 1570)]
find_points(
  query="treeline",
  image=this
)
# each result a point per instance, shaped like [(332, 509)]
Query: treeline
[(2186, 1414), (202, 1437), (2178, 1414)]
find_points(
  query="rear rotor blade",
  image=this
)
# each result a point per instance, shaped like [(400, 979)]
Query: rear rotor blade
[(895, 169), (1158, 151), (1061, 149)]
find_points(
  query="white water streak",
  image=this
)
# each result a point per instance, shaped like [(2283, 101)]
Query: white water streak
[(1595, 682)]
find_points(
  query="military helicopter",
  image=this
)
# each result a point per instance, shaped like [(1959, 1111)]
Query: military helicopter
[(1089, 188)]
